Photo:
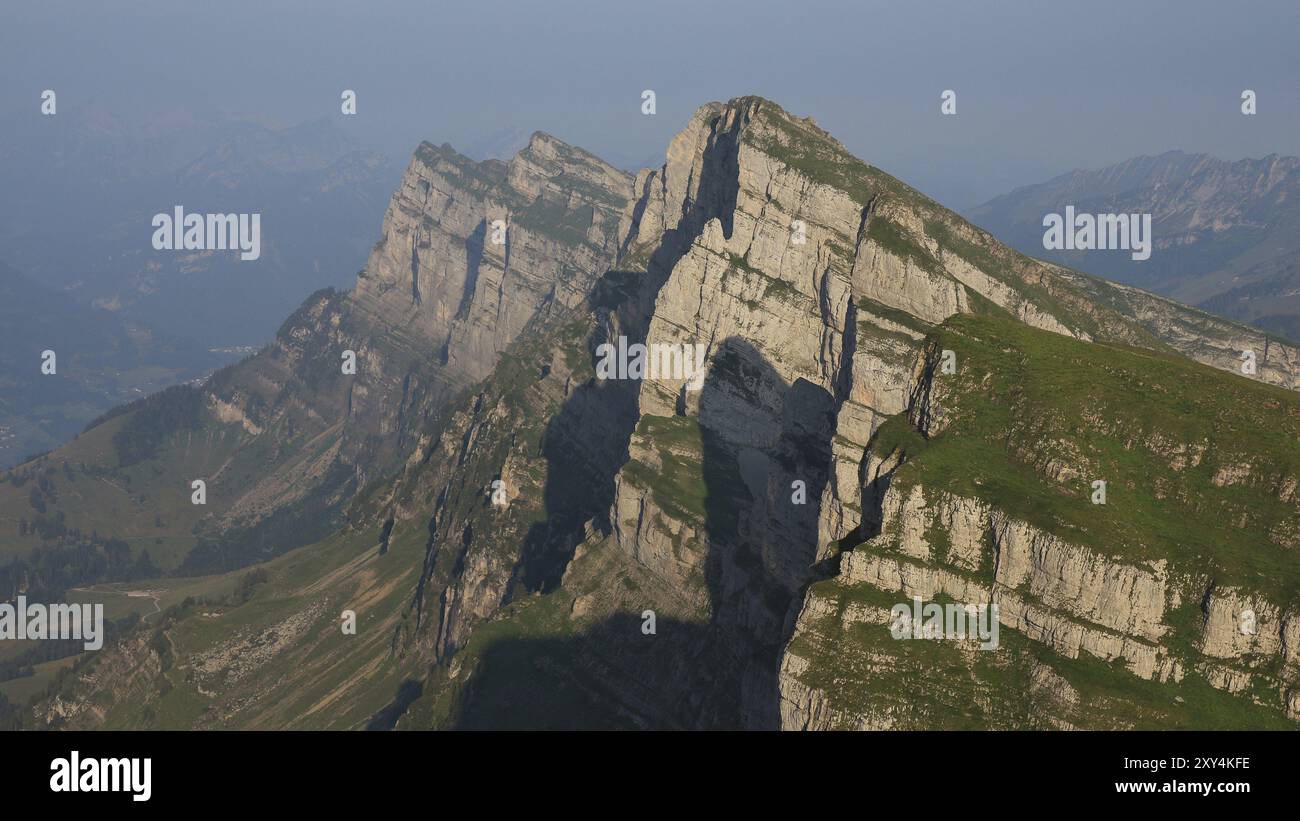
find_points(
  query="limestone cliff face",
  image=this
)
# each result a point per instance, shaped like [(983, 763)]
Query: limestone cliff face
[(1055, 592), (1060, 595), (469, 255), (810, 280), (1160, 620), (758, 293), (753, 512), (831, 277)]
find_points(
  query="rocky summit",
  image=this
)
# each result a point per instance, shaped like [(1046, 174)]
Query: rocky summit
[(892, 406)]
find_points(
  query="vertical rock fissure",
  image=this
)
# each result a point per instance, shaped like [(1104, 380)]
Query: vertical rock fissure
[(473, 260), (415, 268)]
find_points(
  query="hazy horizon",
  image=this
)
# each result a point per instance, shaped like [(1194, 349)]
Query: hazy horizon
[(1038, 93)]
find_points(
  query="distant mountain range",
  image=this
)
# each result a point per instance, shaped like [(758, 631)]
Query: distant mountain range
[(1226, 234)]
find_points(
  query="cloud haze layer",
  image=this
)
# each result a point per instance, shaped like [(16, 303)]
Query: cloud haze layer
[(1040, 89)]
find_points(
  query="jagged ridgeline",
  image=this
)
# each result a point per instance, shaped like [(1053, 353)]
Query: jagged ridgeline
[(526, 545), (285, 439)]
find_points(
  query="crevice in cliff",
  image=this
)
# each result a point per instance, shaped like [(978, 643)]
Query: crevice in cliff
[(473, 259), (415, 269), (505, 273), (920, 405), (430, 557), (581, 469), (550, 544), (876, 470), (844, 378), (864, 223), (638, 211)]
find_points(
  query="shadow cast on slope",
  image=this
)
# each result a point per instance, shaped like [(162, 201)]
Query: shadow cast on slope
[(758, 435), (587, 442)]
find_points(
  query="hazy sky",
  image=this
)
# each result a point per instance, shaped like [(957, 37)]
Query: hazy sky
[(1042, 88)]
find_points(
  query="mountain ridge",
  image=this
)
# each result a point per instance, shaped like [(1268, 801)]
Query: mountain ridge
[(627, 497)]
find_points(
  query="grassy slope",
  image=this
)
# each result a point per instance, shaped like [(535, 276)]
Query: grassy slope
[(277, 658), (1022, 404), (316, 677), (146, 504)]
